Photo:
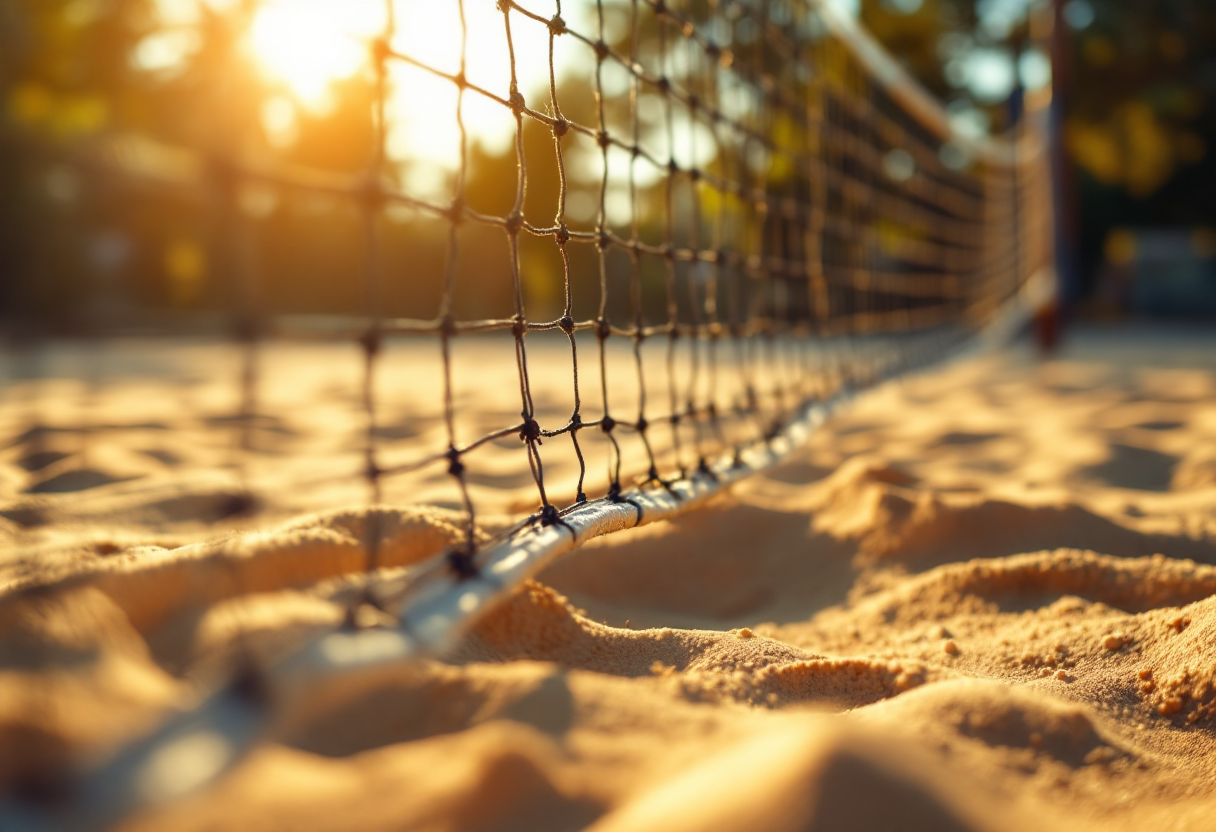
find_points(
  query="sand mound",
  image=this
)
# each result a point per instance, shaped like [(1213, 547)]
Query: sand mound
[(1026, 727), (194, 601), (804, 775)]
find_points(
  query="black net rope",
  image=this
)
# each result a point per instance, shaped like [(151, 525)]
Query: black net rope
[(795, 228), (792, 229), (773, 270)]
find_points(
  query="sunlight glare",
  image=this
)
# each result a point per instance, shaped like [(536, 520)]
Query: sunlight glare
[(310, 44), (424, 106)]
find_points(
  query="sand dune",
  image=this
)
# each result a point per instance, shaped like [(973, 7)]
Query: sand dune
[(983, 599)]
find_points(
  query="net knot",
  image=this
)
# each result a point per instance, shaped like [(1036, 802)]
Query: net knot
[(673, 167), (607, 424), (604, 240), (549, 515), (694, 174), (516, 100), (674, 419), (566, 324), (513, 222), (381, 52), (519, 327), (371, 194), (557, 26), (251, 684), (456, 211), (245, 328), (642, 424), (371, 341), (460, 560), (447, 326), (562, 234), (576, 420), (694, 101), (603, 139), (601, 50), (372, 471), (560, 127), (663, 84), (603, 329), (503, 6), (455, 464), (530, 431)]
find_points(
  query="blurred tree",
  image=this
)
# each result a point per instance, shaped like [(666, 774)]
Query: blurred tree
[(76, 75), (1138, 82), (1141, 126), (61, 65)]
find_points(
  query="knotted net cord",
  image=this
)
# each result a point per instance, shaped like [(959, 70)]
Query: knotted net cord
[(798, 224)]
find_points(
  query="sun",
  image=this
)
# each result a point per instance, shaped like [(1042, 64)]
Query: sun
[(307, 45)]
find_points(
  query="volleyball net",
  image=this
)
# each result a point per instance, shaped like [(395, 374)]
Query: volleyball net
[(710, 224)]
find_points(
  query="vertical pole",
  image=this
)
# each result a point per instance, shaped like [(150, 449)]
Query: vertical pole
[(1017, 106)]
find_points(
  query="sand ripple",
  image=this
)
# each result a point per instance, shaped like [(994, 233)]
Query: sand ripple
[(985, 600)]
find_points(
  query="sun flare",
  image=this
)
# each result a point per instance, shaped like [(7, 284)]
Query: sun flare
[(307, 46)]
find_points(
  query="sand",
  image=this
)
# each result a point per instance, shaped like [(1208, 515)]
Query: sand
[(982, 599)]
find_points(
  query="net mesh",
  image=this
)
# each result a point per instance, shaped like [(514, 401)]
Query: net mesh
[(717, 206), (715, 217)]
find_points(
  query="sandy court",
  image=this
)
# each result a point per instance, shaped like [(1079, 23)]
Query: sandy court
[(980, 599)]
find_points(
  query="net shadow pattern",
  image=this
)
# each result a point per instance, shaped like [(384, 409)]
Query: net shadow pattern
[(790, 230)]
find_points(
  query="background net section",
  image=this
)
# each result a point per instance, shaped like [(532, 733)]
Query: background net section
[(767, 226)]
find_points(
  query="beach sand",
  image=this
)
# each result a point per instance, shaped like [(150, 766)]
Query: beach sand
[(980, 599)]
